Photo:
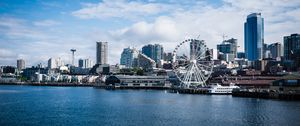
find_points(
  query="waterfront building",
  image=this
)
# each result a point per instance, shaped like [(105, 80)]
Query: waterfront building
[(289, 83), (127, 57), (254, 36), (85, 63), (137, 81), (101, 52), (228, 47), (155, 51), (275, 50), (31, 73), (20, 64)]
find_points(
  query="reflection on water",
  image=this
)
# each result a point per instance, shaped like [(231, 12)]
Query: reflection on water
[(33, 105), (9, 91)]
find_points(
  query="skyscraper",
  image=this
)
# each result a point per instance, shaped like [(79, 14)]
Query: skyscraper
[(20, 64), (101, 53), (254, 36), (155, 52), (128, 55), (292, 47)]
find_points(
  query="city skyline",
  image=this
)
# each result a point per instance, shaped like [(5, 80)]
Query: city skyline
[(38, 30)]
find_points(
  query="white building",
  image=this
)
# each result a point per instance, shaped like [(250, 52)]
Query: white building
[(55, 63), (52, 63), (127, 57), (214, 54)]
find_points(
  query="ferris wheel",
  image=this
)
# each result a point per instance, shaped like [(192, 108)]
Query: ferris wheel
[(192, 63)]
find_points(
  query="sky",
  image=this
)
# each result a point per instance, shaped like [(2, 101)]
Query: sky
[(36, 30)]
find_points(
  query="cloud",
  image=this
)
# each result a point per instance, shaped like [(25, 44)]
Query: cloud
[(212, 22), (6, 54), (120, 9), (46, 23), (36, 45), (166, 23), (163, 29)]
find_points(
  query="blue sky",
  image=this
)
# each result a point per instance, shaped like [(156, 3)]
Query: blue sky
[(37, 30)]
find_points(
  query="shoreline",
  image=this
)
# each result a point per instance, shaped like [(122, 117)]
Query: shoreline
[(260, 95), (50, 84)]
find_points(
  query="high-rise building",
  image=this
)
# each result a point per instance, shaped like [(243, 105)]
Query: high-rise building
[(20, 64), (55, 63), (275, 50), (85, 63), (254, 36), (155, 52), (127, 57), (291, 46), (101, 53), (228, 47), (52, 63), (292, 49)]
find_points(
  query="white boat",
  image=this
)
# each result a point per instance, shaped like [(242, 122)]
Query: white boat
[(219, 89)]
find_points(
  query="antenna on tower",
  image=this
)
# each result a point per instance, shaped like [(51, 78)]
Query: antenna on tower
[(73, 51)]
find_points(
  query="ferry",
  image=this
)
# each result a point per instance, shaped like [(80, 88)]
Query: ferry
[(219, 89)]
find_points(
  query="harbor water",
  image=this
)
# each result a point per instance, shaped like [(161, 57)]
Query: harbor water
[(45, 105)]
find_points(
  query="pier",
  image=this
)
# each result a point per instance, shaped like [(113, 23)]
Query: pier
[(267, 95)]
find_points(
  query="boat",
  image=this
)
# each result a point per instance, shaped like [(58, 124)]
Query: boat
[(216, 88)]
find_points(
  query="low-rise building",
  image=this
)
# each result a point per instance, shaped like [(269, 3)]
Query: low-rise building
[(137, 81)]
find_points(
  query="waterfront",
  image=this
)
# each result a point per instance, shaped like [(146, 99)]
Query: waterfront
[(44, 105)]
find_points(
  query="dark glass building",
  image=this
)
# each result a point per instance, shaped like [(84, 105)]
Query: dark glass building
[(240, 55), (292, 48), (155, 52), (254, 36), (228, 47)]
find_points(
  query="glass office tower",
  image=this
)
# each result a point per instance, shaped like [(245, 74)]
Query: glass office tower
[(254, 36)]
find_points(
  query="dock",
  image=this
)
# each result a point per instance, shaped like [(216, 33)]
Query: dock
[(267, 95)]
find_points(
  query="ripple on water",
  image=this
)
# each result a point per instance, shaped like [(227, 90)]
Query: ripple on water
[(10, 91)]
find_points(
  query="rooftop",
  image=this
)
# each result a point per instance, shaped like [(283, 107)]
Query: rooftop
[(254, 15)]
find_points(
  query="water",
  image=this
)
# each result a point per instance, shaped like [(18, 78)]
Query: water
[(36, 105)]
